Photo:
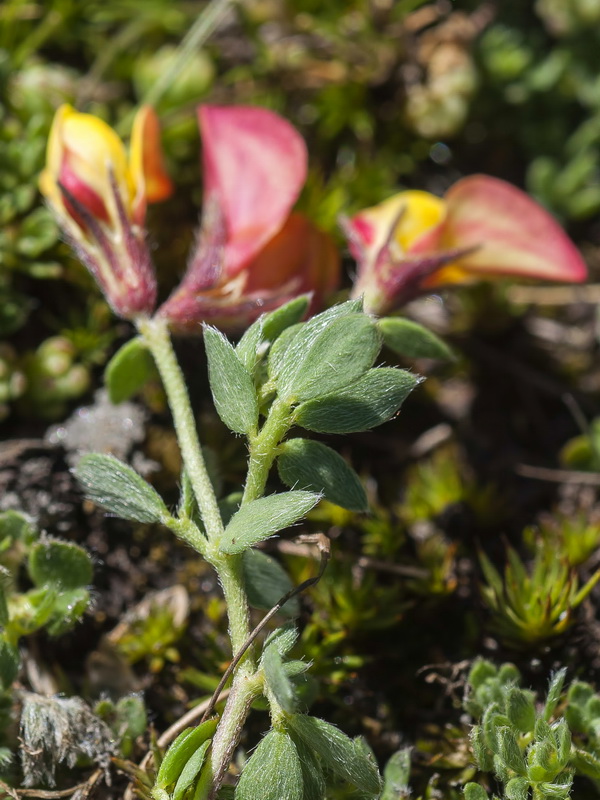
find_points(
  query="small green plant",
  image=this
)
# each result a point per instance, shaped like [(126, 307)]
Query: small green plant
[(575, 536), (534, 749), (534, 603), (60, 573)]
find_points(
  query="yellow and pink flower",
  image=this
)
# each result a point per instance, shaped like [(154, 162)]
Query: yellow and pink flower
[(483, 228), (253, 253), (99, 196)]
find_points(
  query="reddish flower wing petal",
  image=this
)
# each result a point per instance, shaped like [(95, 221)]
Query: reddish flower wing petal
[(255, 164), (300, 256), (512, 234)]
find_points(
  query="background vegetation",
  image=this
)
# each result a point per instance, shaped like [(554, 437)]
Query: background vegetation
[(485, 525)]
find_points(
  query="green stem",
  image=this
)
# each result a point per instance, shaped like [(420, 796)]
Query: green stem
[(156, 335), (229, 570), (263, 449), (228, 567)]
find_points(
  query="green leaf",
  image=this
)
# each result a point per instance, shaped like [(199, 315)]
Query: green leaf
[(117, 488), (510, 752), (517, 789), (15, 526), (248, 348), (191, 771), (283, 638), (265, 517), (314, 466), (229, 505), (61, 564), (10, 661), (268, 328), (473, 791), (68, 609), (371, 401), (408, 338), (481, 671), (181, 750), (277, 679), (128, 370), (562, 738), (291, 343), (587, 764), (279, 348), (267, 582), (231, 384), (520, 709), (557, 682), (273, 772), (396, 775), (282, 318), (339, 753), (295, 668), (312, 772), (482, 754), (319, 363)]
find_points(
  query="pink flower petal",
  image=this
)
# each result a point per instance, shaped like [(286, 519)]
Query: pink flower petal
[(255, 164), (512, 234)]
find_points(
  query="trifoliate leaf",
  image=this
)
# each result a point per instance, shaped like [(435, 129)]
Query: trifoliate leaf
[(117, 488), (306, 464), (372, 400), (262, 518), (230, 383)]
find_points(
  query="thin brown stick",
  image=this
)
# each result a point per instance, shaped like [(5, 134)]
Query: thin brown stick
[(51, 794), (323, 545), (364, 562), (558, 475)]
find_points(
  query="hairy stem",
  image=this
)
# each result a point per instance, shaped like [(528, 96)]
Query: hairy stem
[(263, 449), (157, 338), (228, 567)]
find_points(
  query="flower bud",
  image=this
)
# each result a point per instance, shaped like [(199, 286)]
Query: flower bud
[(99, 197)]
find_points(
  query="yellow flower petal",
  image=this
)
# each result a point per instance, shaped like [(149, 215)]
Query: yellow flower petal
[(95, 152)]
